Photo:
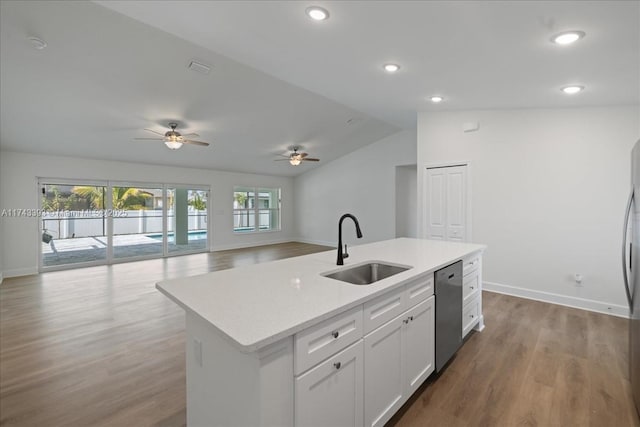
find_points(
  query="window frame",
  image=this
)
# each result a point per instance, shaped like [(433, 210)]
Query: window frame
[(255, 209)]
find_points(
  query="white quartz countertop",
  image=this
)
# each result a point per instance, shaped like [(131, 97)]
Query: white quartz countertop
[(257, 305)]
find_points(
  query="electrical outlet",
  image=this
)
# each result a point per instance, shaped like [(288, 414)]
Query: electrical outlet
[(578, 278), (197, 351)]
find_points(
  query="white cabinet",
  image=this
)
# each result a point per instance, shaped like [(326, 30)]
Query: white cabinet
[(472, 294), (398, 357), (320, 341), (384, 391), (331, 394), (419, 345)]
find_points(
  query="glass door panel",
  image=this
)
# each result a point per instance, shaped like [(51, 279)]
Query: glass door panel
[(187, 220), (73, 224), (137, 222)]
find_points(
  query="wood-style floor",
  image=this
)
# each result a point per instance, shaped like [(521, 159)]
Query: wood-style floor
[(101, 346)]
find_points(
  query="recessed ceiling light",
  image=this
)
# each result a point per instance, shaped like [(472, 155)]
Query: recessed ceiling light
[(391, 68), (436, 99), (568, 37), (37, 43), (317, 13), (573, 89)]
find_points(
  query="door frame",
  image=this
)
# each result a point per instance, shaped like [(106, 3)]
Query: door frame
[(422, 196)]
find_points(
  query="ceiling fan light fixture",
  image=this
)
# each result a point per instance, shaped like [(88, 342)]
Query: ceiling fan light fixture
[(173, 144), (295, 160)]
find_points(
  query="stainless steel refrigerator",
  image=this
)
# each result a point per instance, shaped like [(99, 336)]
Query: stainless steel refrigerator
[(631, 272)]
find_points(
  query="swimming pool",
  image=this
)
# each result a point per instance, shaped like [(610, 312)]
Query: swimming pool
[(193, 235)]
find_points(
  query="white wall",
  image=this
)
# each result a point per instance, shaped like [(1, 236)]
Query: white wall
[(1, 226), (549, 190), (361, 183), (18, 185), (406, 201)]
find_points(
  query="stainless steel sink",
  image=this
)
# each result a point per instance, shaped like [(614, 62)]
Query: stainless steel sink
[(366, 274)]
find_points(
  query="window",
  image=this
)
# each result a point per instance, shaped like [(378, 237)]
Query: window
[(256, 209)]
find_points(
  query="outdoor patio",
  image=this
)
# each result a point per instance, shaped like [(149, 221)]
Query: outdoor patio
[(88, 249)]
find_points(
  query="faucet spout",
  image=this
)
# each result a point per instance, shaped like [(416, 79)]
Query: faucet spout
[(342, 256)]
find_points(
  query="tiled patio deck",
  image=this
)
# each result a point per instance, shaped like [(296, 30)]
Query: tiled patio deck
[(87, 249)]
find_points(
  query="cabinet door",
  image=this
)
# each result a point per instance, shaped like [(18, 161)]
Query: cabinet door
[(418, 345), (383, 372), (331, 394)]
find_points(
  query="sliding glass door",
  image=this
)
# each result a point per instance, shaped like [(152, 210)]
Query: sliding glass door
[(137, 222), (187, 220), (92, 223), (72, 227)]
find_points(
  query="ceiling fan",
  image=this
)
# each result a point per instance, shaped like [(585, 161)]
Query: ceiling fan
[(296, 158), (173, 139)]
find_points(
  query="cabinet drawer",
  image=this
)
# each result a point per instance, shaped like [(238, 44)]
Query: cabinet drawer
[(419, 290), (320, 341), (470, 316), (331, 394), (384, 308), (470, 264), (470, 287)]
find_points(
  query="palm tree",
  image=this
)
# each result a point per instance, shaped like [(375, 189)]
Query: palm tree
[(121, 197), (198, 202)]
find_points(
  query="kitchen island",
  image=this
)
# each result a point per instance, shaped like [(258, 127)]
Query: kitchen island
[(281, 344)]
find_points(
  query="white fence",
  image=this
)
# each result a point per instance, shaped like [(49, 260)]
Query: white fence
[(70, 224)]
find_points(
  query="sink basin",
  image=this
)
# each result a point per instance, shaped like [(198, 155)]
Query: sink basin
[(366, 274)]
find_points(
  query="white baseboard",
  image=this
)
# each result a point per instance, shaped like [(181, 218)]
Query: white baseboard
[(17, 272), (584, 304)]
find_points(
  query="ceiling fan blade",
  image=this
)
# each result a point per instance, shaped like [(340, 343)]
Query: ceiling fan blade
[(190, 135), (309, 159), (192, 142), (280, 160), (303, 155), (153, 131), (149, 139)]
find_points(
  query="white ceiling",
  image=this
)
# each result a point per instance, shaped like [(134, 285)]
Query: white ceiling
[(279, 78)]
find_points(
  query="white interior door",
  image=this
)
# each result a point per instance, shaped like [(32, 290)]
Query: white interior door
[(435, 203), (445, 203)]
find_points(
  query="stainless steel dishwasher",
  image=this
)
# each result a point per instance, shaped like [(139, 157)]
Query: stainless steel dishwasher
[(448, 313)]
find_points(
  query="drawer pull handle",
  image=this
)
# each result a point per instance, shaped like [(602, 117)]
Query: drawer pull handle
[(471, 287), (337, 365), (472, 316), (405, 321), (335, 334), (411, 318)]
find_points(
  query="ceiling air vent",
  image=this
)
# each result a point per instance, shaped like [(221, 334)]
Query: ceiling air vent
[(199, 67)]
